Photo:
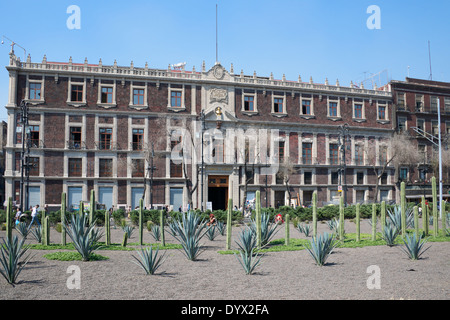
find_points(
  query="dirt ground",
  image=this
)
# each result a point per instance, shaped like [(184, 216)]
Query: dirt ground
[(281, 276)]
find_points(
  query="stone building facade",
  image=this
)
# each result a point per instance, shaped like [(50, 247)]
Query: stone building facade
[(181, 136)]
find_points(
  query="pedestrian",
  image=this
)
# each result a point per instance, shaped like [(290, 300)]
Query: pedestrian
[(17, 216), (34, 213)]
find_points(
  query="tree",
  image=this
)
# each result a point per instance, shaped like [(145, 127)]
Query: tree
[(399, 149)]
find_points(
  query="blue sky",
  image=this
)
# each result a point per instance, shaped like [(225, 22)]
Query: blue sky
[(322, 39)]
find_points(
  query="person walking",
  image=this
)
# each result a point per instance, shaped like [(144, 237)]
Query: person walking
[(34, 213)]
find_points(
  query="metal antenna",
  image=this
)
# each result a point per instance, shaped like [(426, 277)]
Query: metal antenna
[(217, 50), (429, 57)]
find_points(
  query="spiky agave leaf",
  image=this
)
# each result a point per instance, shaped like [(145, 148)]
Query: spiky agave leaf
[(414, 246), (11, 252), (249, 260), (221, 227), (212, 232), (149, 260), (321, 247), (304, 228), (156, 232), (23, 229)]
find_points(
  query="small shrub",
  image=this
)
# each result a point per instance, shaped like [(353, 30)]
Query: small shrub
[(246, 241), (305, 229), (23, 229)]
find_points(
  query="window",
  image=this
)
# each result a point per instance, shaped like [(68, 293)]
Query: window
[(403, 175), (250, 176), (76, 93), (335, 177), (75, 167), (332, 109), (307, 177), (334, 153), (75, 138), (433, 104), (358, 111), (278, 105), (359, 177), (105, 138), (306, 107), (33, 165), (447, 105), (175, 99), (384, 177), (383, 156), (360, 196), (419, 103), (218, 150), (281, 146), (106, 95), (105, 167), (359, 155), (35, 91), (421, 124), (435, 128), (176, 165), (34, 136), (138, 96), (138, 139), (401, 125), (401, 101), (249, 103), (138, 168), (307, 153), (382, 111)]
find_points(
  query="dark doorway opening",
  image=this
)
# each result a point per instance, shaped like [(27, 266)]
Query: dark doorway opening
[(218, 192)]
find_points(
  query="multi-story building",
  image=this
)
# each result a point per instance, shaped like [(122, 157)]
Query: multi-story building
[(3, 135), (117, 130), (416, 102)]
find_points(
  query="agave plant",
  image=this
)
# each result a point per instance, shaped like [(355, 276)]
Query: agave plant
[(23, 229), (390, 233), (331, 223), (249, 260), (395, 216), (306, 229), (212, 232), (321, 247), (221, 228), (149, 260), (156, 232), (172, 228), (189, 231), (268, 229), (36, 232), (414, 246), (11, 252), (247, 241), (83, 235), (128, 230)]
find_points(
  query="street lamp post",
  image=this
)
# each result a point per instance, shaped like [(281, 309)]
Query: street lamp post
[(202, 117)]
